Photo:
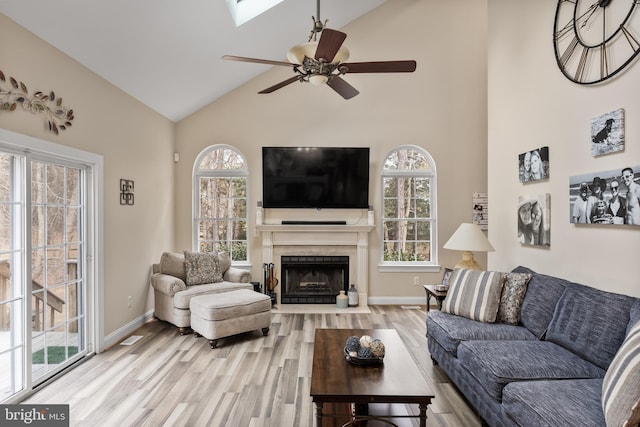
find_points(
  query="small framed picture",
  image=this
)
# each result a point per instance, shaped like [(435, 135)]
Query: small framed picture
[(607, 133), (533, 165), (446, 276)]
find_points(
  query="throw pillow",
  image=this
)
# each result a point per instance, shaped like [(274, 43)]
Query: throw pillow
[(173, 264), (474, 294), (225, 262), (621, 384), (513, 291), (202, 268)]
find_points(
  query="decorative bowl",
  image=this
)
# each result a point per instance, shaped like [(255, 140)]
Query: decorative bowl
[(369, 361)]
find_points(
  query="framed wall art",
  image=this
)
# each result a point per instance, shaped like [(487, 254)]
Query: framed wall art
[(610, 197), (607, 133), (481, 210), (533, 165), (534, 213)]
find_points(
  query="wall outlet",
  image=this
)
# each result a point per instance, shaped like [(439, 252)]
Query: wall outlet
[(416, 280), (129, 301)]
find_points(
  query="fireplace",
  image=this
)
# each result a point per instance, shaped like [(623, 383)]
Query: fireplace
[(314, 279)]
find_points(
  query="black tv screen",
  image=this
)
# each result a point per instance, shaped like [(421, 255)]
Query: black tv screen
[(315, 177)]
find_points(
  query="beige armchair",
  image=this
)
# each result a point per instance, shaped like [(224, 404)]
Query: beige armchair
[(172, 295)]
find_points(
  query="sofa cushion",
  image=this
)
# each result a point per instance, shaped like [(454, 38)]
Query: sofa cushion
[(513, 291), (590, 323), (172, 263), (450, 330), (540, 300), (202, 267), (182, 299), (621, 385), (568, 403), (496, 363), (474, 294)]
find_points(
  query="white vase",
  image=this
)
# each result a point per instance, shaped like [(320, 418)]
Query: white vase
[(341, 300)]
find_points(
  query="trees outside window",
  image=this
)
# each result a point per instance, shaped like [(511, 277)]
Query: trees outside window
[(408, 208), (220, 214)]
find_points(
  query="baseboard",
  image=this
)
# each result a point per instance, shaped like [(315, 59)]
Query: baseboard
[(396, 301), (119, 334)]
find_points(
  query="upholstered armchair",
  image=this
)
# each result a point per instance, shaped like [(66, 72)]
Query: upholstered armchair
[(179, 277)]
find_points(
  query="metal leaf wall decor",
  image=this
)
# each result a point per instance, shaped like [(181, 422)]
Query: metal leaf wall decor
[(58, 117)]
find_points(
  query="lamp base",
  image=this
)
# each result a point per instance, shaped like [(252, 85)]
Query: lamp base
[(468, 262)]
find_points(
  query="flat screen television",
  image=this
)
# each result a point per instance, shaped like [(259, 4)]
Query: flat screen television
[(315, 177)]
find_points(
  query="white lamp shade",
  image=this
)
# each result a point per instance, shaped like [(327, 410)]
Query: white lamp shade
[(469, 237)]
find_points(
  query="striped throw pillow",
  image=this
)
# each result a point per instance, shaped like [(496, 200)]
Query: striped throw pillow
[(621, 384), (474, 294)]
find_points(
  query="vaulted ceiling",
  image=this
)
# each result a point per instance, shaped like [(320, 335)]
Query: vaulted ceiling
[(167, 53)]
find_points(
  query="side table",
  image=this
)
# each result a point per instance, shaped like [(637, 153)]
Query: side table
[(431, 291)]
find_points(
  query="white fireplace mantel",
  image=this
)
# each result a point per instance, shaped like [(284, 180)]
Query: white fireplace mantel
[(315, 239)]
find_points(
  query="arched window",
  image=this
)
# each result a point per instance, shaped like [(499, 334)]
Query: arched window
[(409, 210), (220, 198)]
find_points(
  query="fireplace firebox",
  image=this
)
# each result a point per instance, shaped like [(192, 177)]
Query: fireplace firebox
[(313, 279)]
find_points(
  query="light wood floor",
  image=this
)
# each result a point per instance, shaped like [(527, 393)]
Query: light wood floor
[(166, 379)]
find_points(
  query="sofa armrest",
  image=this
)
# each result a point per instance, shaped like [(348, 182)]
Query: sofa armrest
[(167, 284), (237, 275)]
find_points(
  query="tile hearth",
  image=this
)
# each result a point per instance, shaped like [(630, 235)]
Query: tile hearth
[(318, 309)]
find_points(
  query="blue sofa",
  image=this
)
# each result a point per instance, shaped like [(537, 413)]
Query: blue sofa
[(548, 369)]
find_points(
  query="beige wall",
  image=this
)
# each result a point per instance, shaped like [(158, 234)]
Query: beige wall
[(441, 107), (531, 104), (136, 143)]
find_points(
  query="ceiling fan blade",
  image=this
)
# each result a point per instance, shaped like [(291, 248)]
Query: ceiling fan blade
[(379, 67), (343, 88), (329, 44), (280, 85), (256, 60)]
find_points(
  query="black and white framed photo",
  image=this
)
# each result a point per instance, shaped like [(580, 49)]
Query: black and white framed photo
[(607, 133), (534, 213), (533, 165), (610, 197)]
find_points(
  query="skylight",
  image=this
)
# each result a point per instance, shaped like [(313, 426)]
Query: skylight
[(245, 10)]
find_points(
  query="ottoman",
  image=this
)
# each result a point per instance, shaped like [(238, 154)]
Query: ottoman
[(220, 315)]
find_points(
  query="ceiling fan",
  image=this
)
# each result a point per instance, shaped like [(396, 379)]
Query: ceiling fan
[(323, 62)]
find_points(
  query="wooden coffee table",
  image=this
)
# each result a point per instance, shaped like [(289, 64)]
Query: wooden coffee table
[(334, 379)]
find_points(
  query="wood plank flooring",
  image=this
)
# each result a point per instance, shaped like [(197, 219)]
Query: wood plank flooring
[(166, 379)]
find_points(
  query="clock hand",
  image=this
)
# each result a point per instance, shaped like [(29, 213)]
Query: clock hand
[(592, 9)]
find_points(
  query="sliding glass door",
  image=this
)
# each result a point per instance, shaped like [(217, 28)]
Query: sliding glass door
[(43, 264), (57, 281)]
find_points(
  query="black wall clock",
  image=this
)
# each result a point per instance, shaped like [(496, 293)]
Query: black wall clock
[(594, 41)]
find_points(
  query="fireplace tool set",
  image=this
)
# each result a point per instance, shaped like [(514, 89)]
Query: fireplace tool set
[(270, 280)]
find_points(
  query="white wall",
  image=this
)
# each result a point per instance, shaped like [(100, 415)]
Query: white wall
[(136, 143), (531, 104), (441, 107)]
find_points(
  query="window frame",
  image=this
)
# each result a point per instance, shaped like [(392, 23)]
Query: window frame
[(411, 266), (218, 173)]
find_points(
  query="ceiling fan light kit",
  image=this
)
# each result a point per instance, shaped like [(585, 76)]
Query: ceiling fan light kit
[(323, 62), (299, 52)]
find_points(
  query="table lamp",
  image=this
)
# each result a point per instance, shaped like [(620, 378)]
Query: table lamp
[(468, 238)]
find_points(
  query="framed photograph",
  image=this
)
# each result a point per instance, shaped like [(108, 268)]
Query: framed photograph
[(607, 133), (609, 198), (533, 214), (534, 165), (446, 276), (481, 210)]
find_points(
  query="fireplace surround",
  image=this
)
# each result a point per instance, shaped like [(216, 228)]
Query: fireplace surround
[(287, 240)]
